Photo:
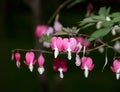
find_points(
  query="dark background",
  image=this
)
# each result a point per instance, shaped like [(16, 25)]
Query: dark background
[(18, 19)]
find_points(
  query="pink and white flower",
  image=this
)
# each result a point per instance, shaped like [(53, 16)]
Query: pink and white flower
[(57, 45), (60, 65), (17, 58), (41, 61), (43, 30), (116, 68), (30, 60), (87, 65), (40, 30), (69, 46), (78, 60), (57, 26)]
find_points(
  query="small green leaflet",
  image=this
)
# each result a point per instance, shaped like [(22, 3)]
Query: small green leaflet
[(46, 38), (107, 24), (61, 33), (104, 11), (99, 33), (68, 31)]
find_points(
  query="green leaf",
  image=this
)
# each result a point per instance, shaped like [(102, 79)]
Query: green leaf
[(46, 38), (108, 11), (88, 25), (61, 33), (116, 19), (85, 21), (102, 11), (99, 33), (107, 24), (100, 17), (116, 14)]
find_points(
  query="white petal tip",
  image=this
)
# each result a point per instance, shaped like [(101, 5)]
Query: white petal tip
[(31, 68), (18, 64), (117, 76), (86, 72), (41, 70), (69, 55), (56, 53), (61, 73)]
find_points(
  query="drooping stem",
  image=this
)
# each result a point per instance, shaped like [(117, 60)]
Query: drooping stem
[(58, 10), (34, 50), (115, 39), (50, 52)]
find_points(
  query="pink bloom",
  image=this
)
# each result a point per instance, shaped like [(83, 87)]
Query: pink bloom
[(49, 31), (116, 68), (69, 45), (17, 57), (41, 63), (40, 30), (78, 61), (60, 65), (83, 41), (30, 60), (57, 26), (57, 45), (87, 65)]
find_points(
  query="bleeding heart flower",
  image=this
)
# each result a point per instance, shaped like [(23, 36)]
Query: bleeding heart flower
[(17, 57), (69, 45), (57, 45), (57, 26), (41, 61), (87, 65), (60, 65), (78, 60), (116, 68), (30, 60), (40, 30)]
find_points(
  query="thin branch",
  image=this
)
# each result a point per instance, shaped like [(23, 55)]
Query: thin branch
[(58, 10), (115, 39), (50, 52), (34, 50)]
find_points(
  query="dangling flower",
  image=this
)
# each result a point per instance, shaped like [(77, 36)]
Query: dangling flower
[(49, 31), (78, 60), (101, 50), (60, 65), (40, 30), (69, 45), (17, 58), (57, 45), (87, 65), (57, 26), (30, 60), (116, 68), (41, 63), (117, 46), (43, 30)]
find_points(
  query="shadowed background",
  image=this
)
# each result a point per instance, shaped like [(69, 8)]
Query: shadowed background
[(18, 19)]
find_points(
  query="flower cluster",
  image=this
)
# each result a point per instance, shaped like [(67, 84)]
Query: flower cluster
[(30, 61), (69, 45), (68, 41), (59, 64)]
